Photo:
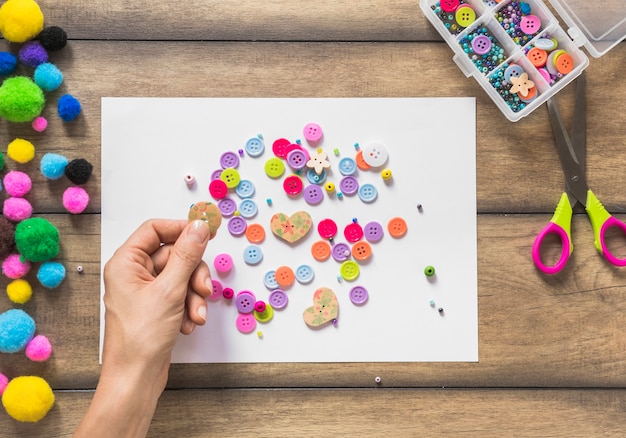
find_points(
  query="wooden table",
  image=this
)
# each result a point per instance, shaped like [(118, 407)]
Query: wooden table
[(552, 349)]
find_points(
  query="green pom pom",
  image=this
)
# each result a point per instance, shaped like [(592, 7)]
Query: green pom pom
[(37, 240), (1, 161), (21, 100)]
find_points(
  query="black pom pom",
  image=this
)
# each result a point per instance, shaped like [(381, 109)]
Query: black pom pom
[(78, 171), (7, 237), (52, 38)]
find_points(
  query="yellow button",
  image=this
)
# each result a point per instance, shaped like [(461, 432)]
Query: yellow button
[(465, 16), (231, 177), (274, 167), (349, 270)]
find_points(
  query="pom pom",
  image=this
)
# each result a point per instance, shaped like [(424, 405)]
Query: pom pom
[(21, 100), (32, 54), (51, 274), (16, 330), (40, 124), (78, 171), (1, 164), (28, 398), (75, 199), (52, 38), (39, 349), (19, 291), (36, 239), (17, 183), (53, 165), (4, 381), (7, 242), (20, 20), (21, 151), (17, 209), (48, 77), (68, 107), (8, 63), (15, 268)]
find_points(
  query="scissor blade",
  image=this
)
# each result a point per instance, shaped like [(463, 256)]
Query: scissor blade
[(579, 125)]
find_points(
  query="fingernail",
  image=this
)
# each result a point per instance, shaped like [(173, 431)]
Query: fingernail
[(202, 312), (199, 231), (209, 285)]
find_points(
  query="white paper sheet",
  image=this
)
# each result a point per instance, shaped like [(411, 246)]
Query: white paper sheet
[(149, 144)]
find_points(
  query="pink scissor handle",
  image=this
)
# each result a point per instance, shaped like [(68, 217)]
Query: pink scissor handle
[(611, 222), (566, 248)]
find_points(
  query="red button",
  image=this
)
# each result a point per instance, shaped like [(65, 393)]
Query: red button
[(218, 189), (327, 228), (279, 147), (293, 185), (353, 232)]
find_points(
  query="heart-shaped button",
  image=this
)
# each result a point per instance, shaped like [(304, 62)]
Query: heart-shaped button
[(291, 228), (325, 308), (207, 212)]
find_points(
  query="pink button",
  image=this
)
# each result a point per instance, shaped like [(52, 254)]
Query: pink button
[(449, 5), (312, 132), (218, 290), (223, 263), (279, 147), (218, 189), (246, 322), (260, 306), (353, 232), (530, 24), (293, 185), (327, 228)]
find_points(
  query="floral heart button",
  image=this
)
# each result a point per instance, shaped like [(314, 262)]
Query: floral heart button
[(291, 228), (207, 212), (325, 308)]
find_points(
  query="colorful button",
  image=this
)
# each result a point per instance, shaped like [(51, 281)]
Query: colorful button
[(223, 263), (229, 159), (313, 194), (340, 252), (349, 270), (320, 250), (327, 228), (397, 227), (285, 276), (312, 132), (246, 323), (373, 231), (367, 193), (218, 189), (358, 295), (237, 225), (260, 306), (564, 63), (218, 290), (537, 57), (227, 206), (216, 174), (361, 251), (248, 208), (353, 232), (274, 167), (481, 44), (255, 233), (244, 301), (360, 162), (245, 189), (279, 146), (228, 293), (278, 299), (546, 44), (315, 178), (293, 185), (530, 24), (375, 155), (264, 315), (304, 274), (269, 280), (255, 147), (347, 166), (231, 177), (449, 5), (252, 255), (464, 15), (545, 74), (297, 159), (513, 70), (349, 185)]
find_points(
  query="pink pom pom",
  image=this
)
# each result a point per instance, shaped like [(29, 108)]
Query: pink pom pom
[(75, 199), (17, 209), (39, 349), (40, 124), (17, 183), (14, 268), (4, 381)]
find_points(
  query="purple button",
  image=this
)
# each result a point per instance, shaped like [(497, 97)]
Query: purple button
[(481, 44), (358, 295), (244, 301), (349, 185), (227, 206), (216, 174), (237, 225), (229, 159), (373, 231), (296, 159), (278, 299), (313, 194), (341, 252)]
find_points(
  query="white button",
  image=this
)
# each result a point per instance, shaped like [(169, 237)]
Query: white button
[(375, 154)]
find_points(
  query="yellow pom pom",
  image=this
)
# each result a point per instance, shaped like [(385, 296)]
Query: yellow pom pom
[(21, 151), (20, 20), (28, 398), (19, 291)]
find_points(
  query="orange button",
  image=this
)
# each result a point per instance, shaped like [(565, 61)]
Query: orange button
[(360, 162), (361, 251), (397, 227), (564, 63), (532, 93), (320, 250), (285, 276), (255, 233), (537, 57)]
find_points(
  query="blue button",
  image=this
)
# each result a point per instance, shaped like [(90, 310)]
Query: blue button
[(248, 208), (304, 274), (252, 255), (347, 166), (269, 280), (512, 70), (255, 147), (314, 178), (245, 189), (367, 193)]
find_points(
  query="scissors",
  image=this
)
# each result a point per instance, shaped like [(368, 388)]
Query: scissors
[(572, 154)]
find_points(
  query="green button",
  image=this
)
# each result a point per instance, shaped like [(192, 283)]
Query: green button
[(274, 167), (231, 177), (349, 270), (266, 315)]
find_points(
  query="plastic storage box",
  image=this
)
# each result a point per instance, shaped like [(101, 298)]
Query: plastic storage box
[(518, 52)]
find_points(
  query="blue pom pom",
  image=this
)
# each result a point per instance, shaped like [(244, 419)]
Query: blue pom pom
[(51, 274), (53, 165), (8, 62), (48, 76), (68, 107), (16, 330)]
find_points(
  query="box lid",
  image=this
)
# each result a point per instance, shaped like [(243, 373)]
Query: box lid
[(603, 23)]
